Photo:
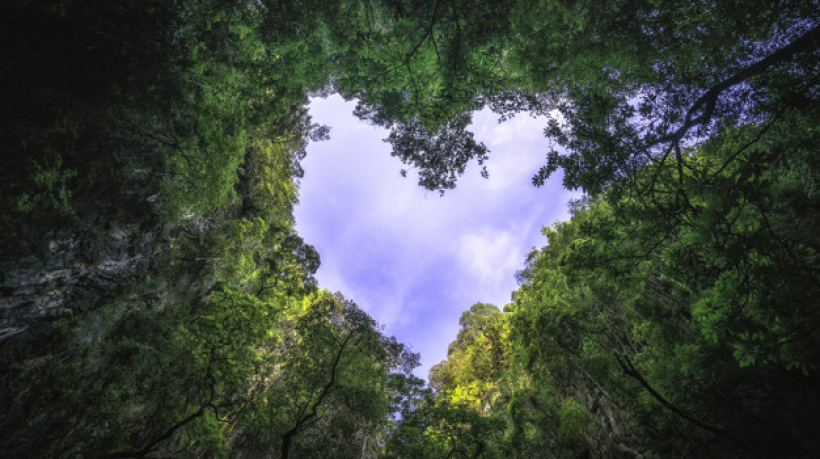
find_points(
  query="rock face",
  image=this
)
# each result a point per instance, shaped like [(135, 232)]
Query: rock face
[(60, 301), (75, 276), (77, 273)]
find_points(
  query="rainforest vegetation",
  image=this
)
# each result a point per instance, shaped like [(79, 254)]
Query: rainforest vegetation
[(157, 301)]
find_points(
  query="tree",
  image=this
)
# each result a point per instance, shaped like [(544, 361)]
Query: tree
[(441, 430), (330, 392), (612, 311), (634, 82), (475, 361)]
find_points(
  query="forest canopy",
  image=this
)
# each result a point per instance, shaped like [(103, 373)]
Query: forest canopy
[(158, 302)]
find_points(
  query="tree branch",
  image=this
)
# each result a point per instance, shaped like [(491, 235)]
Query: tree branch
[(150, 447), (630, 370), (705, 104), (287, 438)]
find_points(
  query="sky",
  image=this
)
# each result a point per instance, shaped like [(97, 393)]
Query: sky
[(412, 259)]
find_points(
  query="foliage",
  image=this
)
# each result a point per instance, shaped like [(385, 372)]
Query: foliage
[(657, 326), (673, 316), (328, 392), (624, 83)]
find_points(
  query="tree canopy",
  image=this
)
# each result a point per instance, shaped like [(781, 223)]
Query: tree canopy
[(158, 302)]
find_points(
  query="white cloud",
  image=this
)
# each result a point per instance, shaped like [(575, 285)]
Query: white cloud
[(487, 259), (415, 261)]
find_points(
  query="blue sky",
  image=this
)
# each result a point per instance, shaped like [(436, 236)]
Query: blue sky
[(410, 258)]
